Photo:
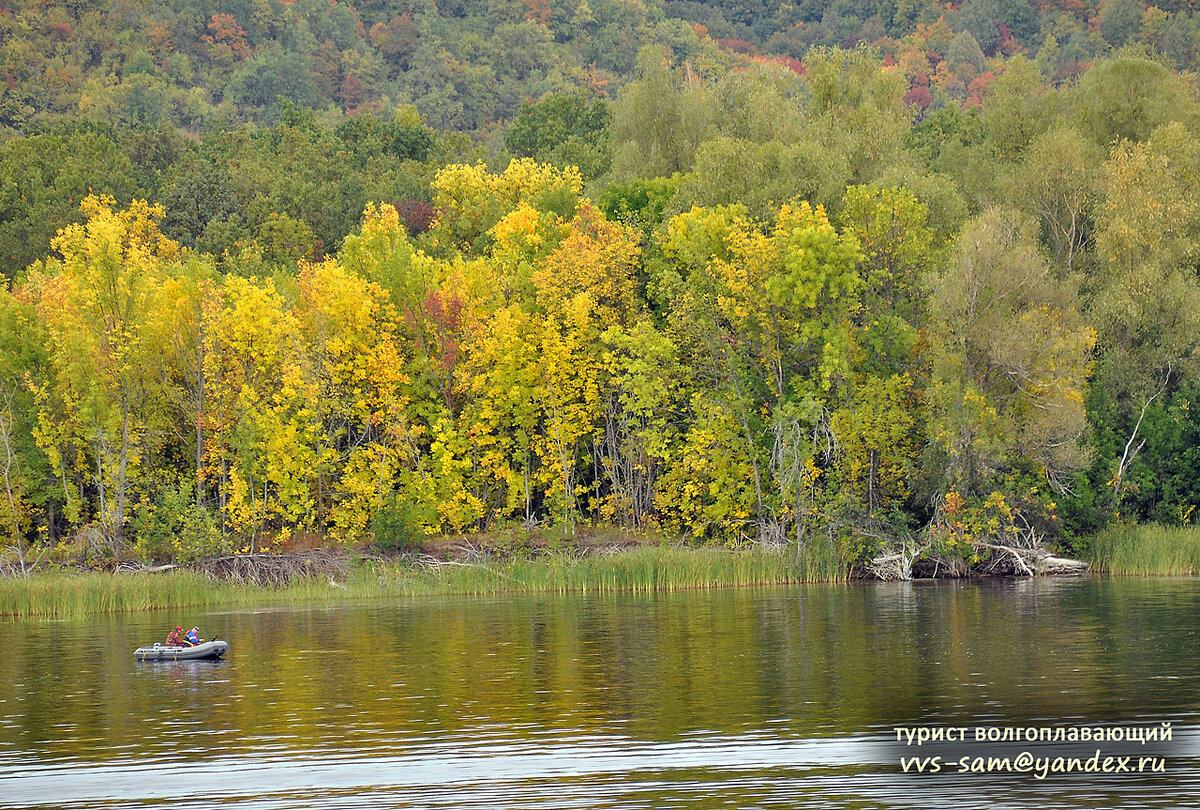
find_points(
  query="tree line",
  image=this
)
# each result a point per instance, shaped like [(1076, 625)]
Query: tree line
[(200, 65), (777, 306)]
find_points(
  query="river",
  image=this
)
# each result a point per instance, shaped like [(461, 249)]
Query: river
[(748, 698)]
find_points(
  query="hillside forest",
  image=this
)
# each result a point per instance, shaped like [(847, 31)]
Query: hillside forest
[(849, 273)]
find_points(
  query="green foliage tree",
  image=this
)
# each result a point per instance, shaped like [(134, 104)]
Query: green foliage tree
[(1121, 21), (566, 130), (730, 171), (1010, 360), (1061, 183), (1145, 298), (858, 109), (26, 513), (42, 181), (1127, 98), (965, 50), (657, 123)]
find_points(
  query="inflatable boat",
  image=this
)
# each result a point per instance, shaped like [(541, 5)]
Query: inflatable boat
[(209, 650)]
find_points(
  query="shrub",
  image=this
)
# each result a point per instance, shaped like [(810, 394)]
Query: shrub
[(395, 526), (173, 526)]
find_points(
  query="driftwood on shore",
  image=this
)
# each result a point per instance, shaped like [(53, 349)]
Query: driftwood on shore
[(1017, 561), (276, 569), (911, 556), (895, 564), (906, 559)]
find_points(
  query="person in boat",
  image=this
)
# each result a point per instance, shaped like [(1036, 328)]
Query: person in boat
[(193, 637), (173, 638)]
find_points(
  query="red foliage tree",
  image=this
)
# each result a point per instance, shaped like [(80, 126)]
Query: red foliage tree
[(537, 11), (443, 316), (396, 39), (978, 88), (791, 63), (417, 215), (919, 97), (351, 94), (737, 46)]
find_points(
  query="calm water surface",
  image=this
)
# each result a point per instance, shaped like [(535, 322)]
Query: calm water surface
[(737, 698)]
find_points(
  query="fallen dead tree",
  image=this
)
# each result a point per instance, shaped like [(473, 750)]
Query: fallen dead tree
[(1050, 564), (1016, 561), (896, 562), (13, 568), (272, 570), (276, 570), (1026, 557)]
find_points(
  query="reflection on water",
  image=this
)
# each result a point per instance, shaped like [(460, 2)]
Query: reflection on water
[(736, 698)]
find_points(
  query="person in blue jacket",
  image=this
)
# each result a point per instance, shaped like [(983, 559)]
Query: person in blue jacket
[(193, 637)]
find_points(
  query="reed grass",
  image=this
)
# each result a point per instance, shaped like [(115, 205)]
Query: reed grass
[(67, 594), (639, 569), (1148, 550), (647, 568)]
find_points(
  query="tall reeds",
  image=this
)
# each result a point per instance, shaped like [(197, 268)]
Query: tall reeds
[(1148, 550), (62, 595), (647, 568), (639, 569)]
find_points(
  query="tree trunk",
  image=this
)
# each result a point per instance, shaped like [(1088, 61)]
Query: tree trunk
[(200, 416), (6, 420), (1127, 456), (122, 476), (873, 482)]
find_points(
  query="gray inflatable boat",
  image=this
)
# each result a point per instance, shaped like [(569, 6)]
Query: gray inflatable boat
[(210, 650)]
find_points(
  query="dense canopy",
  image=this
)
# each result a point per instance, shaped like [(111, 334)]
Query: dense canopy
[(762, 273)]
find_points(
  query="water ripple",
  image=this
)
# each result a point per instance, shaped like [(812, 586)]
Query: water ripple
[(595, 771)]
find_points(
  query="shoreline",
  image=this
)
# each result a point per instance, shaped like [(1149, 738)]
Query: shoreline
[(473, 566), (328, 579), (68, 592)]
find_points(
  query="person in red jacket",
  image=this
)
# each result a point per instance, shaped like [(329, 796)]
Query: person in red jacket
[(173, 639)]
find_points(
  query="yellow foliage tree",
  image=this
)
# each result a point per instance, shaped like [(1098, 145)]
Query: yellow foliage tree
[(568, 396), (261, 412), (358, 373), (470, 200), (96, 304), (597, 257), (501, 412)]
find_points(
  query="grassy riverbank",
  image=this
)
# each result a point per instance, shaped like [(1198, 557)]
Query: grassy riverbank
[(647, 568), (1148, 550)]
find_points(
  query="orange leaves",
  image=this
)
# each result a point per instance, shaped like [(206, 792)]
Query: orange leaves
[(226, 35), (968, 525)]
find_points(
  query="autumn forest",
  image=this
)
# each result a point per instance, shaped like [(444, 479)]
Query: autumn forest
[(849, 273)]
